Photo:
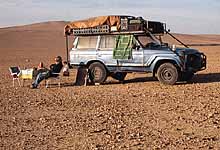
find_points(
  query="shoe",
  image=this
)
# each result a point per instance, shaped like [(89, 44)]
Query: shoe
[(33, 86)]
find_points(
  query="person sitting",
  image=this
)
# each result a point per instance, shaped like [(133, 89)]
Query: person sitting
[(47, 73), (66, 69)]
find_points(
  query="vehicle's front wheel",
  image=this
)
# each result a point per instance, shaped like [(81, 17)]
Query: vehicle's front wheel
[(167, 73), (98, 73)]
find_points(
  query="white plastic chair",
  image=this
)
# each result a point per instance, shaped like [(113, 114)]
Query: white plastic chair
[(15, 73)]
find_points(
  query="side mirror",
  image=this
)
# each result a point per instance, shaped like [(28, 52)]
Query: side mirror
[(174, 47)]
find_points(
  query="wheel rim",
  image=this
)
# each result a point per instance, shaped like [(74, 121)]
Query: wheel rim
[(96, 73), (167, 74)]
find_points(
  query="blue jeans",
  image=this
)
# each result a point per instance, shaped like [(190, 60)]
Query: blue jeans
[(40, 77)]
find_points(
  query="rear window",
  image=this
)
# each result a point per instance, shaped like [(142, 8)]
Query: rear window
[(87, 42)]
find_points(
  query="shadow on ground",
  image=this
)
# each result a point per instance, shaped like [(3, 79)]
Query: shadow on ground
[(206, 78), (198, 78)]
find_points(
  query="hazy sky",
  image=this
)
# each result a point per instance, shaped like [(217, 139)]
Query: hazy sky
[(185, 16)]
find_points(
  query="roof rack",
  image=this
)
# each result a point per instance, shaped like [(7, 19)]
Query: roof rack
[(114, 25), (104, 29)]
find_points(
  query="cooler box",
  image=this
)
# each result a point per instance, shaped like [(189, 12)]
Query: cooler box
[(26, 74)]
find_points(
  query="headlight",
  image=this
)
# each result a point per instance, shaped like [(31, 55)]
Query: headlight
[(181, 54)]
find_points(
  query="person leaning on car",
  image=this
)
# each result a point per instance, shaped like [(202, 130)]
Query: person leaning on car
[(54, 68)]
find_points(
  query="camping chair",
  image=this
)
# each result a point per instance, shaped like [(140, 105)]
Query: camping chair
[(57, 78), (15, 73)]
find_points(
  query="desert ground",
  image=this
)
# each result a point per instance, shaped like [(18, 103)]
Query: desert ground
[(139, 114)]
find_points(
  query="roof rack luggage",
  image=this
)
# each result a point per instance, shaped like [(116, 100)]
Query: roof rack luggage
[(114, 25)]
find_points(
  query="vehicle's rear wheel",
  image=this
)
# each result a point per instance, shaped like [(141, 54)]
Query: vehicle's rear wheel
[(120, 76), (186, 76), (167, 73), (98, 73)]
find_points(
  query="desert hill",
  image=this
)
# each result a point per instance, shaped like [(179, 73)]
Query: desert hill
[(49, 35)]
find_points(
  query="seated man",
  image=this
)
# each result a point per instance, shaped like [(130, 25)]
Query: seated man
[(54, 68)]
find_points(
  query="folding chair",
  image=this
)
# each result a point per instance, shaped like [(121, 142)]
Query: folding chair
[(57, 78), (15, 73)]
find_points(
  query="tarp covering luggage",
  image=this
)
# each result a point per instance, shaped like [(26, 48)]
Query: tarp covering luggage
[(94, 22), (113, 25)]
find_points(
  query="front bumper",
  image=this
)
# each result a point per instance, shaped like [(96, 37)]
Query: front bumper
[(204, 59), (195, 62)]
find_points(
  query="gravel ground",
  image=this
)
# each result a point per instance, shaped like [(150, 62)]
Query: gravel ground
[(139, 114)]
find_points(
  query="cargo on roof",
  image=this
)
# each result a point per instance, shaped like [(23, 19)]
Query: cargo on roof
[(93, 22), (113, 24)]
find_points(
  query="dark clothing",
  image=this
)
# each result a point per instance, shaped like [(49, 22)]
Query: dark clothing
[(40, 77), (54, 68)]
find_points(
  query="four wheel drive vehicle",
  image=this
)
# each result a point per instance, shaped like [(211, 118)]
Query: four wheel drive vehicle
[(117, 45)]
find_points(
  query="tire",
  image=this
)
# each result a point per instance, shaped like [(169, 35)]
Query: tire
[(120, 76), (186, 76), (167, 73), (97, 72)]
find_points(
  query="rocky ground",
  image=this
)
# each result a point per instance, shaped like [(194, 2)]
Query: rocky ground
[(139, 114)]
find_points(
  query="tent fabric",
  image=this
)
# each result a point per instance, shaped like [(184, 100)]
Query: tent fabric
[(123, 49), (93, 22)]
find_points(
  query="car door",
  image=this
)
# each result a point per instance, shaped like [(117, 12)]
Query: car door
[(105, 53), (136, 59), (105, 49), (149, 50)]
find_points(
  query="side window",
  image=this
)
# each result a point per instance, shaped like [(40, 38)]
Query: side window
[(148, 42), (135, 44), (144, 40), (107, 42), (87, 42)]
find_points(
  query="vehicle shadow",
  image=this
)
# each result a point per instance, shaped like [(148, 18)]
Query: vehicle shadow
[(198, 78), (141, 79), (206, 78), (134, 80)]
